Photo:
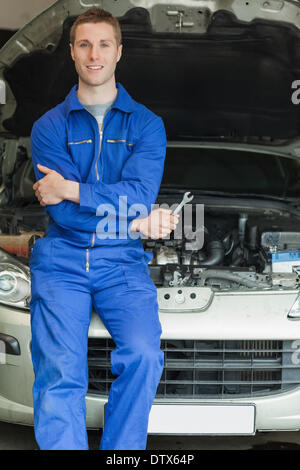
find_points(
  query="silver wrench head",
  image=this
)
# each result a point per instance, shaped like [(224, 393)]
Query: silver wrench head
[(188, 197)]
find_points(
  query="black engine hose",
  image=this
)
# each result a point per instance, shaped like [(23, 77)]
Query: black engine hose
[(215, 254)]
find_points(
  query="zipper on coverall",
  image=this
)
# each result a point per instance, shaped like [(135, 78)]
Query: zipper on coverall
[(87, 264)]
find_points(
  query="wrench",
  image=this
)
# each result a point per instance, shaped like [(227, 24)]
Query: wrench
[(188, 197)]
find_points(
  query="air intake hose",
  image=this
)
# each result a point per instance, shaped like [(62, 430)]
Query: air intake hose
[(215, 254)]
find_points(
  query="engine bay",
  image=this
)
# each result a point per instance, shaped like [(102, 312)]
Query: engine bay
[(241, 250), (247, 243)]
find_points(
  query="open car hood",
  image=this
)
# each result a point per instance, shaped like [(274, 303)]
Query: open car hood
[(211, 69)]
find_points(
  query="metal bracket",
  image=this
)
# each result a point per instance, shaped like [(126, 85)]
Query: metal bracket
[(194, 20)]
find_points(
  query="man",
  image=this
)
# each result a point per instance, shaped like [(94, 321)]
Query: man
[(97, 155)]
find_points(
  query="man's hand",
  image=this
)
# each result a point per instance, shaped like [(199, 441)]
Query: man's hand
[(158, 224), (50, 189)]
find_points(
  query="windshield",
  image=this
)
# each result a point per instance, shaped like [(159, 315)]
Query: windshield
[(231, 171)]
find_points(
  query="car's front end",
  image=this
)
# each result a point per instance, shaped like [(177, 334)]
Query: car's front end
[(221, 75)]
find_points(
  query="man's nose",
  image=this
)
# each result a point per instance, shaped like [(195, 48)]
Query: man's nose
[(94, 53)]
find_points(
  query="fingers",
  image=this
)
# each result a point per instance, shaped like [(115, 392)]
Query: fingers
[(39, 197), (162, 232), (161, 223), (166, 211), (167, 214), (170, 222), (168, 226), (43, 169)]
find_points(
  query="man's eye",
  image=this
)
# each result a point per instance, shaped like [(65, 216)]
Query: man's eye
[(83, 45), (105, 45)]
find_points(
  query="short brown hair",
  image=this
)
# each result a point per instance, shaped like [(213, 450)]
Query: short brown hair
[(97, 15)]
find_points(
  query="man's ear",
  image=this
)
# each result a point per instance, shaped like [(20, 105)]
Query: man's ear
[(72, 51), (120, 52)]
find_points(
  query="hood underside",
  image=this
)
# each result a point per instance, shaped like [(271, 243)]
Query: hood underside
[(234, 80)]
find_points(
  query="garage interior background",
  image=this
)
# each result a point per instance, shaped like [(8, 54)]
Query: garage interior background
[(17, 13)]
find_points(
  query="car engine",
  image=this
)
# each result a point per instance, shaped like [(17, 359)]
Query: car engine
[(240, 251)]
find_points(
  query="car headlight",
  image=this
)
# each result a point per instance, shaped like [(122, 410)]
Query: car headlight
[(14, 282), (294, 313)]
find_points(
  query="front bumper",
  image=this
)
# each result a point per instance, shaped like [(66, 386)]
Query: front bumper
[(277, 413), (231, 316)]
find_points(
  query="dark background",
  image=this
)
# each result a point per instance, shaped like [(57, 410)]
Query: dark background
[(5, 35)]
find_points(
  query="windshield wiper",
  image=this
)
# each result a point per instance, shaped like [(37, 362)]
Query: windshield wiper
[(204, 192)]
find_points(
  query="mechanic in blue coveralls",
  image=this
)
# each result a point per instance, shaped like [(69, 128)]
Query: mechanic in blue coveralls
[(96, 155)]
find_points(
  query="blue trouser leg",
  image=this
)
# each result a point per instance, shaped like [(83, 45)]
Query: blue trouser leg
[(125, 299), (59, 353), (60, 315), (130, 313)]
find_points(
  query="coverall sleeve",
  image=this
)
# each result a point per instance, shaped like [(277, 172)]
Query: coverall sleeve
[(48, 149), (141, 174)]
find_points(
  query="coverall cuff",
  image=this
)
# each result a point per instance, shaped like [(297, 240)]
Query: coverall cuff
[(86, 198)]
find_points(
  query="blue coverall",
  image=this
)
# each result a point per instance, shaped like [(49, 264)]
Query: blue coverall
[(74, 267)]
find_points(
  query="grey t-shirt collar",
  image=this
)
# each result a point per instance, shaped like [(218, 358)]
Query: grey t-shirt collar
[(97, 109)]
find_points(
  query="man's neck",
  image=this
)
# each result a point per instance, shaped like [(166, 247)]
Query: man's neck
[(97, 94)]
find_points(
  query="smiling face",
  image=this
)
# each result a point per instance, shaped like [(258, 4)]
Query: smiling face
[(95, 53)]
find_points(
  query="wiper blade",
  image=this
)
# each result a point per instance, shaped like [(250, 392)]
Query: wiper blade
[(271, 197), (204, 192), (179, 189)]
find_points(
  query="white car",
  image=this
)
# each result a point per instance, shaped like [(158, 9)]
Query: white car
[(224, 78)]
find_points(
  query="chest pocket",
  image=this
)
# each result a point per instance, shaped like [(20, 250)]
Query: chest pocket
[(115, 154), (82, 153), (88, 141), (118, 141)]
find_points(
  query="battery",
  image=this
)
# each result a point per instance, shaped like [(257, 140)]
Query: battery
[(285, 261)]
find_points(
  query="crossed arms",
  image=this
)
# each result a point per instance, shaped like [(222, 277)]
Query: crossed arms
[(73, 204)]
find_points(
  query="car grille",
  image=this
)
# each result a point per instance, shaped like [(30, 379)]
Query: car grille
[(210, 369)]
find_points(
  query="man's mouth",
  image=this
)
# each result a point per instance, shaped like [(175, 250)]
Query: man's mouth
[(95, 67)]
